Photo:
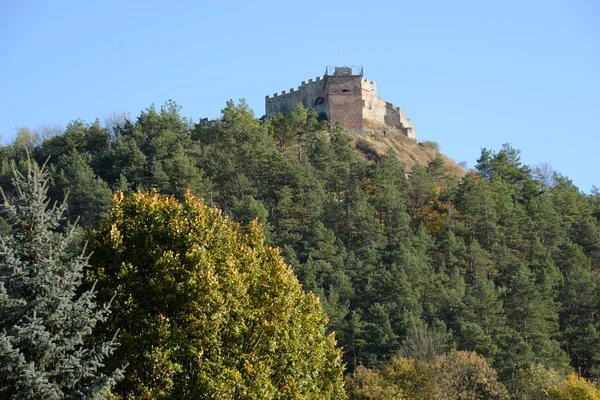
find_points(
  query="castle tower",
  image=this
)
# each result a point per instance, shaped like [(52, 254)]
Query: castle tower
[(344, 97)]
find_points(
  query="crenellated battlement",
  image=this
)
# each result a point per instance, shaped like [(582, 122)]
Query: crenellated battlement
[(343, 96), (303, 86)]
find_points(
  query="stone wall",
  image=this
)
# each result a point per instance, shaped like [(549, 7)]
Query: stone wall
[(307, 94), (347, 99), (374, 109), (344, 100), (378, 110)]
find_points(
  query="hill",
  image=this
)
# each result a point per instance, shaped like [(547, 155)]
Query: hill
[(374, 143), (504, 261)]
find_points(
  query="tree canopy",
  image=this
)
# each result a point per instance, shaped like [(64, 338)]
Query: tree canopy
[(208, 311), (46, 321), (502, 260)]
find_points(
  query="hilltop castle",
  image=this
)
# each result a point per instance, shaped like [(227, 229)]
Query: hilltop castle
[(344, 97)]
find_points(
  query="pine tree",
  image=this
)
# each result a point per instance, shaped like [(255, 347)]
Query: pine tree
[(44, 319)]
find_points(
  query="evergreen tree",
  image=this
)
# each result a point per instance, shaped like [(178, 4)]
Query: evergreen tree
[(533, 315), (506, 259), (88, 196), (578, 317), (43, 319)]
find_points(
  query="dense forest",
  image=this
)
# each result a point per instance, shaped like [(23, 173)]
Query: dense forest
[(418, 269)]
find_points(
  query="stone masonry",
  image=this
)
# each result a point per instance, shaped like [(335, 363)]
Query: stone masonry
[(344, 97)]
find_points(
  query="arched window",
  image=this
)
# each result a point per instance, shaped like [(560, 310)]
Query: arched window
[(319, 100)]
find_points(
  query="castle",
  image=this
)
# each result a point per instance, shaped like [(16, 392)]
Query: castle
[(344, 97)]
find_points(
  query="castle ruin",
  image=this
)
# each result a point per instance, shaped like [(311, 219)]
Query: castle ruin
[(344, 97)]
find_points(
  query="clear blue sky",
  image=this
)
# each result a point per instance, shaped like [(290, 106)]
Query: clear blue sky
[(468, 74)]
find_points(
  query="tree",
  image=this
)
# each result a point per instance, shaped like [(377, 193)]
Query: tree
[(454, 375), (238, 121), (401, 378), (27, 139), (476, 207), (423, 344), (44, 317), (533, 315), (208, 311), (574, 388), (88, 196), (578, 317), (466, 375), (531, 383), (369, 384)]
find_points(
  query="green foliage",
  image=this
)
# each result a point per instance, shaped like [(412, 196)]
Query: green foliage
[(429, 144), (401, 378), (26, 139), (208, 311), (44, 315), (367, 384), (503, 261), (455, 375), (87, 195), (531, 383)]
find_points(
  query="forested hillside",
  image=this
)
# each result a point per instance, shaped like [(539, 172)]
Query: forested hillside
[(416, 260)]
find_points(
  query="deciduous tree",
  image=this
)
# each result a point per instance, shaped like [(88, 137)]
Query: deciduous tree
[(208, 311)]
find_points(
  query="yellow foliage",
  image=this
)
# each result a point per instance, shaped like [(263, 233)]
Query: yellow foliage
[(454, 375), (207, 311), (531, 382), (369, 384), (574, 388), (414, 377), (435, 213)]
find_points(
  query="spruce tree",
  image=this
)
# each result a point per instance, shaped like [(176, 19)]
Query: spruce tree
[(46, 351)]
